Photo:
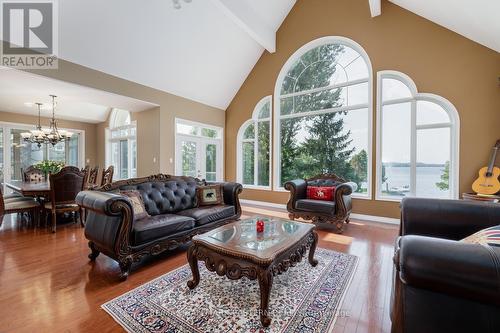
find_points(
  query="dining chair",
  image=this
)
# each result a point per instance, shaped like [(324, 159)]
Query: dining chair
[(21, 205), (92, 178), (86, 173), (107, 175), (33, 174), (64, 186)]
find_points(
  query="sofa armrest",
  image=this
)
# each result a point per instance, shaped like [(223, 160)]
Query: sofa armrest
[(343, 199), (298, 189), (109, 221), (458, 269), (101, 202), (231, 193), (450, 219)]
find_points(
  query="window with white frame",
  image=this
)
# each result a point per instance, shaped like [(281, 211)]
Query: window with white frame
[(121, 146), (198, 150), (323, 113), (254, 147), (417, 139)]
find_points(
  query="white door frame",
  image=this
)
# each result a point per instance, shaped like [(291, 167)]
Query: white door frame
[(201, 143)]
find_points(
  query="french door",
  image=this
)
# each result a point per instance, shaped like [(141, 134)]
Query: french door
[(199, 157)]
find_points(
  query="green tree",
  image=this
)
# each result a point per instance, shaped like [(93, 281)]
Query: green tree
[(263, 153), (444, 184), (359, 164), (327, 148)]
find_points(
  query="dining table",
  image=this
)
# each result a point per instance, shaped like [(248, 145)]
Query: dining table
[(29, 189)]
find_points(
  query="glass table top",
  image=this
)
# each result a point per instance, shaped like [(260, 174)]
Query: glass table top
[(242, 236)]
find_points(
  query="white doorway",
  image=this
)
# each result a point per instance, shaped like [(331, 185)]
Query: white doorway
[(198, 150)]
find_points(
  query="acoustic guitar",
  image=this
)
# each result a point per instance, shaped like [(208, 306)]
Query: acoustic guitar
[(488, 183)]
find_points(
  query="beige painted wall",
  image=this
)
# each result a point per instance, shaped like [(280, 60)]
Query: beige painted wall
[(148, 132), (90, 129), (170, 107), (438, 60)]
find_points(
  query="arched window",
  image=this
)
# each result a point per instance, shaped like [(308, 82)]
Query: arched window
[(323, 103), (119, 118), (417, 140), (121, 144), (254, 148)]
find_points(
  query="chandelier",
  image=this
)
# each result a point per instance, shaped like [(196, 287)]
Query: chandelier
[(177, 3), (51, 135)]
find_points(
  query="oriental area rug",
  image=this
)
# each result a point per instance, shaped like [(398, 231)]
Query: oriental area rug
[(303, 299)]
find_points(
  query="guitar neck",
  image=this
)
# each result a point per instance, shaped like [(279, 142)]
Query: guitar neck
[(492, 161)]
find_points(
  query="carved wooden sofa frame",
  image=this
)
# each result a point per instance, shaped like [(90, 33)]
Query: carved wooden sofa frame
[(103, 201)]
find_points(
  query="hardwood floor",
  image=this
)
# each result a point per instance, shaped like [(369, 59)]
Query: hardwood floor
[(48, 284)]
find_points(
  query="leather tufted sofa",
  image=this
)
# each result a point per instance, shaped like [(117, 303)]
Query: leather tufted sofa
[(174, 216), (335, 212), (441, 284)]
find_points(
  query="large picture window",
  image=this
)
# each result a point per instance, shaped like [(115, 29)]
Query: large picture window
[(323, 99), (121, 148), (254, 145), (418, 138)]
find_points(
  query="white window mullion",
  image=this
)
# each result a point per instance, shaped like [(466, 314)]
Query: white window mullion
[(255, 153), (325, 111), (329, 87), (413, 149), (129, 157), (7, 147)]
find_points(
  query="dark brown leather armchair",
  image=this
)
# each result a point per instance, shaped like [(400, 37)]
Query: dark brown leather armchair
[(335, 212), (441, 284)]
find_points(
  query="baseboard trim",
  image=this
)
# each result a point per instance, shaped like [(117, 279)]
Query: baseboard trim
[(281, 207)]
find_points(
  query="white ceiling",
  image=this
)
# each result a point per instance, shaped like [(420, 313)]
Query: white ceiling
[(478, 20), (199, 51), (74, 102)]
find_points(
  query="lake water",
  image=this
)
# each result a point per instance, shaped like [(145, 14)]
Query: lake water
[(398, 180)]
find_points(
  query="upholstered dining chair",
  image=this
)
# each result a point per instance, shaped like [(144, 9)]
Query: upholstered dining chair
[(107, 175), (13, 205), (64, 186), (86, 174), (91, 181), (33, 174)]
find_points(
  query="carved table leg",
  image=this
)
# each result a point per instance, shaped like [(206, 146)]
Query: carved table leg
[(193, 263), (265, 284), (314, 243)]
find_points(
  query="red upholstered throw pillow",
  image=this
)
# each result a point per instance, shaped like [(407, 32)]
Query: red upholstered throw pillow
[(320, 193)]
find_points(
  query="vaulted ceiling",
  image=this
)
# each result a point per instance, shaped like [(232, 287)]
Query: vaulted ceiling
[(205, 50), (202, 51), (478, 20)]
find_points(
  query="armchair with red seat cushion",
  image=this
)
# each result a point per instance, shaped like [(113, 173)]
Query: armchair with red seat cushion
[(321, 206)]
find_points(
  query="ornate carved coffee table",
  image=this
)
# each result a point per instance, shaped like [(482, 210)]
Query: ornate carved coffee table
[(237, 250)]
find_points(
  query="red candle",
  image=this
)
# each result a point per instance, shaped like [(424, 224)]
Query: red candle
[(260, 226)]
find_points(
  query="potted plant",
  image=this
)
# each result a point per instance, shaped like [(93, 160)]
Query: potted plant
[(49, 167)]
